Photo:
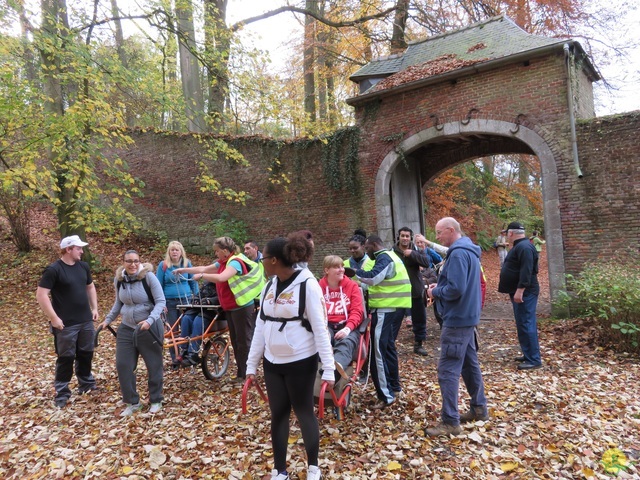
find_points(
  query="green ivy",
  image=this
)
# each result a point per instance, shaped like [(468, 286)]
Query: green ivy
[(340, 160)]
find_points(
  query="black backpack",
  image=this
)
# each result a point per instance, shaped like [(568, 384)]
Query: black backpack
[(302, 303), (145, 285)]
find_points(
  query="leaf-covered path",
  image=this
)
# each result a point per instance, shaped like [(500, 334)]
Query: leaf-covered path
[(551, 423)]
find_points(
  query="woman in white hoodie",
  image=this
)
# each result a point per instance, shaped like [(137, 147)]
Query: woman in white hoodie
[(291, 331)]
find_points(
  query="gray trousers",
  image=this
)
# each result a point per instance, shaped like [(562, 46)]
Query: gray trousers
[(459, 356), (74, 345), (128, 350)]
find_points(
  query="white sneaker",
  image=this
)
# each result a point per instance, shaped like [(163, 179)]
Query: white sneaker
[(155, 407), (278, 476), (131, 409), (313, 473)]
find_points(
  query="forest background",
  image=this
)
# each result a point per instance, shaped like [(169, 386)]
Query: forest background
[(75, 77)]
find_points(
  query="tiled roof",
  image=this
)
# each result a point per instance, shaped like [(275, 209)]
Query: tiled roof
[(489, 40)]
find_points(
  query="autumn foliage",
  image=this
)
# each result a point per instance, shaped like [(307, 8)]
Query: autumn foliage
[(575, 418)]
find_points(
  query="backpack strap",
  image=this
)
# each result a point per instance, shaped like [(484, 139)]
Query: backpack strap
[(302, 304), (145, 285)]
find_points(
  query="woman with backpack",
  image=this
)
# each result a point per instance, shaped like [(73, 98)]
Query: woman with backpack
[(140, 302), (290, 334)]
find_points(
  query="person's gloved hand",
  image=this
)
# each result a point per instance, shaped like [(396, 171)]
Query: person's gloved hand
[(340, 334)]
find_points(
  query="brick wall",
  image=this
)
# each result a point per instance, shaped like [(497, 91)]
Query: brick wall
[(601, 211), (173, 203)]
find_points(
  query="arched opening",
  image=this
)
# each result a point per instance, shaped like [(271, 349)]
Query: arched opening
[(438, 148)]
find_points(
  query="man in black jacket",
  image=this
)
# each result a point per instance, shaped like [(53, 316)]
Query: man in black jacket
[(519, 278), (413, 259)]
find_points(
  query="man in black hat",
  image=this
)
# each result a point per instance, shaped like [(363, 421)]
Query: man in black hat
[(519, 278)]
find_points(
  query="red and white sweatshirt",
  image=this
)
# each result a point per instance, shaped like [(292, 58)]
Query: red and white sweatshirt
[(344, 304)]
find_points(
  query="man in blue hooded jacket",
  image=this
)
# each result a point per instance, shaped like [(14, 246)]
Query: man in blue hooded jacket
[(459, 300)]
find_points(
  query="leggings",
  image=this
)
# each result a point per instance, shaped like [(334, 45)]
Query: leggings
[(291, 385)]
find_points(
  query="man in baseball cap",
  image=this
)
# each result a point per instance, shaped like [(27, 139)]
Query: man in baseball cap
[(519, 278), (72, 241), (67, 295)]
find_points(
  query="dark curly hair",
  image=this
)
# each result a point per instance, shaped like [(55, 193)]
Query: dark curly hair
[(291, 250), (359, 236)]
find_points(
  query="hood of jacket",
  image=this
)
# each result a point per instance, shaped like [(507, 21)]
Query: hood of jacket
[(465, 243), (122, 276)]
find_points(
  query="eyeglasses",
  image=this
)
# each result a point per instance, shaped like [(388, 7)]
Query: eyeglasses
[(131, 261), (266, 257)]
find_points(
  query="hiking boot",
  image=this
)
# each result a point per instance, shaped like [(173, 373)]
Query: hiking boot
[(475, 414), (313, 473), (130, 409), (61, 402), (443, 429), (279, 476), (418, 349)]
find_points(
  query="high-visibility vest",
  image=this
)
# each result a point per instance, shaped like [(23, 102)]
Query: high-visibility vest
[(247, 287), (367, 265), (394, 292)]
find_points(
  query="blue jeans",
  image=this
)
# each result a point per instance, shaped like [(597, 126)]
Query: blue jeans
[(525, 315), (191, 326), (459, 356)]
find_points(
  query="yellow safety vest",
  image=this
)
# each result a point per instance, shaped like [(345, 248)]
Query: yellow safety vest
[(247, 287), (394, 292), (367, 265)]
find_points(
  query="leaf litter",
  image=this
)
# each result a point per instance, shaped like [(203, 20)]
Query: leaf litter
[(558, 422)]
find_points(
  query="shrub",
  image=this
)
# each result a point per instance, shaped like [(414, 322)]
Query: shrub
[(609, 292)]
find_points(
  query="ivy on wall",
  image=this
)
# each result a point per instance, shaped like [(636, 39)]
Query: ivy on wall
[(340, 160)]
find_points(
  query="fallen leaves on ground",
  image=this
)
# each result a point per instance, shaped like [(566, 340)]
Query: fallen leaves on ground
[(554, 423)]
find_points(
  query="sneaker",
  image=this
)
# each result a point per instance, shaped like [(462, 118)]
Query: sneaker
[(341, 372), (85, 390), (190, 360), (313, 473), (475, 414), (381, 404), (61, 402), (279, 476), (443, 429), (130, 409), (155, 408)]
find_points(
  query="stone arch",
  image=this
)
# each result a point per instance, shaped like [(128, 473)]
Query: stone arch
[(538, 145)]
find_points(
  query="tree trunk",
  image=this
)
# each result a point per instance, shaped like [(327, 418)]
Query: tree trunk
[(122, 55), (398, 39), (189, 69), (309, 62), (217, 44)]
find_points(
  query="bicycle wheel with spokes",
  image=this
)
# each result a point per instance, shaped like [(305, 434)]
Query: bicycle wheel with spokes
[(215, 358)]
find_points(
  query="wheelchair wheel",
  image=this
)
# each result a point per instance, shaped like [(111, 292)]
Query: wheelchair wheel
[(215, 358)]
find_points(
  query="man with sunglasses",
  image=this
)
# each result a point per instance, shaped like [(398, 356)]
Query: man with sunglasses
[(67, 295)]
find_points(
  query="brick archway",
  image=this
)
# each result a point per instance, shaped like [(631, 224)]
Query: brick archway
[(534, 142)]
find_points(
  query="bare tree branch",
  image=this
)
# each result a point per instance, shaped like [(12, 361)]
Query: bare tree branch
[(347, 23)]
